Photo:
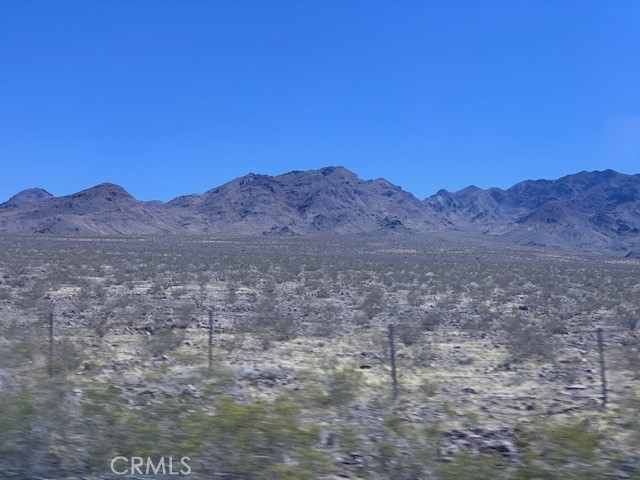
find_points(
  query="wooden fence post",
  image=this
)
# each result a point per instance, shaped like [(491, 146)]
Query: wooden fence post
[(51, 344), (603, 375), (210, 339), (392, 355)]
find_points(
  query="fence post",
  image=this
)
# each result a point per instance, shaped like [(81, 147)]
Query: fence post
[(50, 344), (603, 376), (210, 339), (392, 355)]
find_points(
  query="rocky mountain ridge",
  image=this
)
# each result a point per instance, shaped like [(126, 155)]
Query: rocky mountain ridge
[(587, 210)]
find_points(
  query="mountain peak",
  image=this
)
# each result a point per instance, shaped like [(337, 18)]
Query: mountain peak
[(337, 169), (108, 191), (30, 195), (584, 210)]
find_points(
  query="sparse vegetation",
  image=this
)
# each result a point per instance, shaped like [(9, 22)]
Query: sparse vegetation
[(301, 382)]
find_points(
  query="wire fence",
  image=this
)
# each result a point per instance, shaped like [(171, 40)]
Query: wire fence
[(592, 377)]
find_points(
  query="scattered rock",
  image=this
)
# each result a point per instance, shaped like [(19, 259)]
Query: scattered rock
[(468, 360), (331, 439), (571, 359), (267, 375), (479, 440), (344, 460), (191, 391)]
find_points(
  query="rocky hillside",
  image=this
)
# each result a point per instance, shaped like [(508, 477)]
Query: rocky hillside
[(103, 209), (25, 197), (331, 200), (588, 210)]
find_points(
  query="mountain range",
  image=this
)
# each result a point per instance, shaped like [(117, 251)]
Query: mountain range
[(597, 211)]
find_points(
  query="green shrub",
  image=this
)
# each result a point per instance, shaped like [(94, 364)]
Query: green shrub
[(261, 440), (472, 466), (342, 385), (163, 341), (431, 321), (526, 339), (561, 451)]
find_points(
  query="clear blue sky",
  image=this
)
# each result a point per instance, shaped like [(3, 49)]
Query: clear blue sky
[(174, 97)]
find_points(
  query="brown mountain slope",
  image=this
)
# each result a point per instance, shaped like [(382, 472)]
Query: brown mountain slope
[(103, 209), (316, 202), (28, 196), (331, 200), (588, 210), (555, 224)]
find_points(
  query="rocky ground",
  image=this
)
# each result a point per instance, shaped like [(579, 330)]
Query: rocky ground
[(496, 356)]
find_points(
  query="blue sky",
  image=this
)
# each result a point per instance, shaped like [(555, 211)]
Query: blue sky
[(174, 97)]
